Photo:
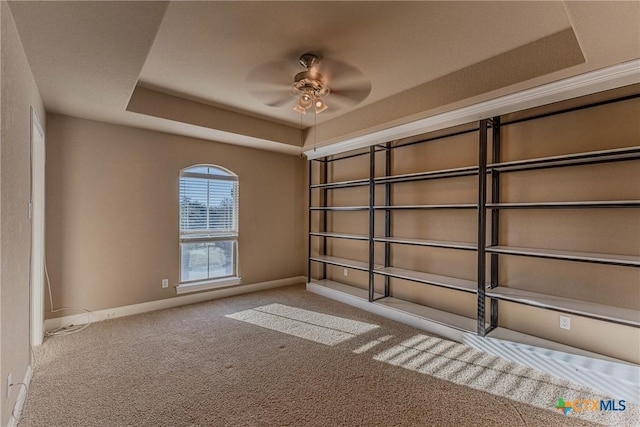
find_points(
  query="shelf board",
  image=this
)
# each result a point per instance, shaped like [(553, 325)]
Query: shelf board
[(343, 184), (447, 206), (612, 259), (445, 318), (418, 176), (346, 289), (590, 204), (456, 321), (341, 262), (581, 308), (339, 208), (340, 235), (602, 156), (431, 243), (429, 279)]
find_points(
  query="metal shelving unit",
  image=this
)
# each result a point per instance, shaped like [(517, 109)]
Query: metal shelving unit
[(325, 234), (386, 270), (495, 290), (487, 286), (390, 272)]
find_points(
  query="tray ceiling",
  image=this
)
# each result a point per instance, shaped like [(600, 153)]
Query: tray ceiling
[(88, 58)]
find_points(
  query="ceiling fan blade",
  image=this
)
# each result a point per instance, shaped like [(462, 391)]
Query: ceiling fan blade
[(273, 97), (274, 72), (281, 102), (349, 86), (271, 83), (267, 86), (351, 95), (339, 73)]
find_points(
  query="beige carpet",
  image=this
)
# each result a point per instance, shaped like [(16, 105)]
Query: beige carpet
[(283, 357)]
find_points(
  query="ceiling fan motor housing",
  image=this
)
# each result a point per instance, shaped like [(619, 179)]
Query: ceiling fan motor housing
[(310, 81), (309, 60)]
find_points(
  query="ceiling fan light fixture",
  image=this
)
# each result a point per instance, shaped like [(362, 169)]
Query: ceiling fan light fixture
[(299, 109), (306, 99), (319, 105)]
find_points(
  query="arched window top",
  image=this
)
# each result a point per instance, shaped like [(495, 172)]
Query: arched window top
[(208, 171)]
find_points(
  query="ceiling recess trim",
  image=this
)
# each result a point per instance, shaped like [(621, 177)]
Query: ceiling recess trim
[(613, 77)]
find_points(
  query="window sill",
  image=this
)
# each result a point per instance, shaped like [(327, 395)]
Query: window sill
[(205, 285)]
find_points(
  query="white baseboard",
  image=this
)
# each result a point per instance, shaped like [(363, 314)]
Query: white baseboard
[(616, 378), (128, 310), (417, 322), (22, 396)]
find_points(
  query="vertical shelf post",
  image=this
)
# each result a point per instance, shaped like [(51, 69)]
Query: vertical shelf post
[(482, 223), (495, 217), (387, 215), (372, 196), (325, 193), (310, 163)]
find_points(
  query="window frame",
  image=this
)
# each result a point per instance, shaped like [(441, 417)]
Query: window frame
[(187, 237)]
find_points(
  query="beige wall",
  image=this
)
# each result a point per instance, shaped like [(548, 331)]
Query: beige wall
[(599, 230), (19, 94), (112, 211)]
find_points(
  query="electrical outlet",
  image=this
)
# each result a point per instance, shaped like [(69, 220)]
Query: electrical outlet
[(346, 272), (165, 283), (565, 322), (9, 382)]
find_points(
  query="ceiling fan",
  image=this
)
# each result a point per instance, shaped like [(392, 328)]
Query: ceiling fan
[(342, 84)]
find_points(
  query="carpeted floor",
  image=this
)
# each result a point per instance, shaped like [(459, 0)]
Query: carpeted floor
[(284, 357)]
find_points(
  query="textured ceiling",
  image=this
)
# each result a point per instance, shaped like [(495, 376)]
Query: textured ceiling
[(88, 58), (207, 50)]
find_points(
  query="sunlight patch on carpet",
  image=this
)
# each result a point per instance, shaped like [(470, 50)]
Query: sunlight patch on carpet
[(310, 325), (368, 346), (473, 368)]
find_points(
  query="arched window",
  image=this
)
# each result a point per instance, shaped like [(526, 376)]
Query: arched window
[(208, 224)]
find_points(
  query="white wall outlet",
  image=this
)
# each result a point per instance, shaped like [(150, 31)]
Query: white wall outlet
[(9, 382), (165, 283), (346, 272), (565, 322)]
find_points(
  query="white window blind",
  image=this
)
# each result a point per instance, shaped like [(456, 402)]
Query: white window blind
[(208, 204)]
